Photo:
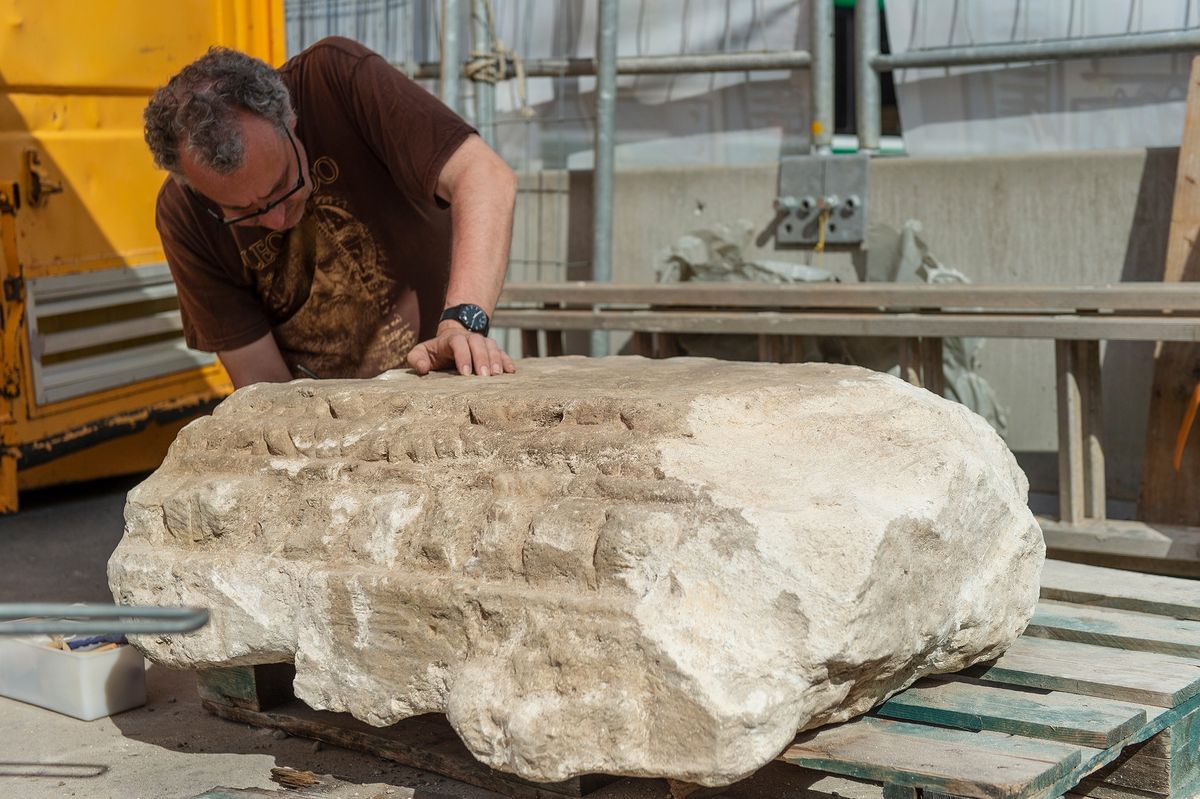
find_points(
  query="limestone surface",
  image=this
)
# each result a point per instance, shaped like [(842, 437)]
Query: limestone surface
[(658, 568)]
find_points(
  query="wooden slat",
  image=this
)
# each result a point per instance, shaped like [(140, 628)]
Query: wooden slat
[(1070, 433), (1160, 680), (1140, 632), (844, 323), (933, 374), (974, 764), (529, 344), (1168, 496), (1091, 395), (1149, 297), (424, 742), (1052, 716), (1114, 588)]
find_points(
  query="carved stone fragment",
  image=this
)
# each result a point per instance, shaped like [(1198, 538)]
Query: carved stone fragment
[(660, 568)]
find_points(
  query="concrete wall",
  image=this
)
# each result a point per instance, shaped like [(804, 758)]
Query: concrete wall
[(1090, 217)]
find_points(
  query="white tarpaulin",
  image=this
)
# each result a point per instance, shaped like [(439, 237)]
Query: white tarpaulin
[(1130, 101)]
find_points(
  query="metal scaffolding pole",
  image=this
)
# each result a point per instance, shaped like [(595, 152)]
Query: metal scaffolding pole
[(822, 76), (451, 54), (866, 95), (645, 65), (606, 123), (485, 92), (1045, 50)]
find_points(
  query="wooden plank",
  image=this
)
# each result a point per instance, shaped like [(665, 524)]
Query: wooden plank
[(846, 323), (1114, 588), (1091, 397), (933, 375), (955, 762), (554, 342), (251, 687), (1140, 632), (643, 344), (1145, 677), (1046, 298), (529, 344), (909, 371), (1052, 716), (423, 742), (1069, 410), (1165, 764), (1168, 496)]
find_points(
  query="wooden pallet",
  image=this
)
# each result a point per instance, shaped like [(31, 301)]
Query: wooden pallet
[(1099, 698)]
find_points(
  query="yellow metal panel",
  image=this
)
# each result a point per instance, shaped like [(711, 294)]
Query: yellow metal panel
[(74, 79), (130, 46), (139, 452)]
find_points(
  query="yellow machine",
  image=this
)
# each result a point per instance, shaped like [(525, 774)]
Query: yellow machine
[(95, 379)]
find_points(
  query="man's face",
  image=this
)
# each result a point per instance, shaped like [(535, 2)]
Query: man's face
[(270, 169)]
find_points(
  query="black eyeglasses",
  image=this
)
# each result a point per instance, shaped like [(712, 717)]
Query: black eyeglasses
[(266, 208)]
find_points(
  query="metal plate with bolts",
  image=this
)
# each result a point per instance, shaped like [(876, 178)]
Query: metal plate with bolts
[(810, 184)]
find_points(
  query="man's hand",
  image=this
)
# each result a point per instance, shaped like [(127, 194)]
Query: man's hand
[(467, 352)]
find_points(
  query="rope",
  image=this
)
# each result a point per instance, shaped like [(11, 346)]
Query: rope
[(822, 224), (491, 66)]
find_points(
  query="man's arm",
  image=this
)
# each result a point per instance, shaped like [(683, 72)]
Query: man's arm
[(481, 190), (257, 362)]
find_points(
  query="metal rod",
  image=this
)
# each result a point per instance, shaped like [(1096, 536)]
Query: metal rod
[(485, 92), (822, 76), (60, 618), (643, 65), (867, 100), (1046, 49), (451, 54), (606, 124)]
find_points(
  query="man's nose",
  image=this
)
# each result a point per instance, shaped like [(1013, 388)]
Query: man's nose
[(275, 219)]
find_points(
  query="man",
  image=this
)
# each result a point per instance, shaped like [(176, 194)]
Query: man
[(329, 219)]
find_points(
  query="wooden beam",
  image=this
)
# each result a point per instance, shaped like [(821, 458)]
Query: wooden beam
[(1035, 298), (910, 371), (933, 376), (1070, 435), (845, 323), (1086, 358), (1114, 588), (1168, 496), (529, 344), (953, 762)]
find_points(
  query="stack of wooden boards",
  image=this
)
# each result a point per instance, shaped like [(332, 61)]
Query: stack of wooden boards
[(1098, 698)]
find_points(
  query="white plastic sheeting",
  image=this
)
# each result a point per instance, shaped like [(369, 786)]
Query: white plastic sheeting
[(1131, 101)]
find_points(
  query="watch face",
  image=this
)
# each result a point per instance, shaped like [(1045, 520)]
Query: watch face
[(473, 318)]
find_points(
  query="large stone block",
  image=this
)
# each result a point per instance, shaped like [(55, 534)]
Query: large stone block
[(635, 567)]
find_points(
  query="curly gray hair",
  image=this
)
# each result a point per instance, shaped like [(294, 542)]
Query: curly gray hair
[(197, 109)]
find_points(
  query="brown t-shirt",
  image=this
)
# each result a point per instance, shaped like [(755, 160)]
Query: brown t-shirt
[(362, 277)]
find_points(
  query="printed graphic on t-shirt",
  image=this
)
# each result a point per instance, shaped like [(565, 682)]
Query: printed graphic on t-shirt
[(331, 270)]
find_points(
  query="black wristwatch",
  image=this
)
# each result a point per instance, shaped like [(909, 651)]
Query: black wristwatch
[(472, 317)]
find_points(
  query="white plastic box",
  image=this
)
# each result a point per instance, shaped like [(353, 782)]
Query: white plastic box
[(86, 685)]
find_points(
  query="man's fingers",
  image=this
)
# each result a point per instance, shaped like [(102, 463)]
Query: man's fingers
[(480, 356), (509, 366), (494, 353), (462, 354), (418, 359)]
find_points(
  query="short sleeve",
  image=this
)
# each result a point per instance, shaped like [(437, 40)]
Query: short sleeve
[(218, 311)]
